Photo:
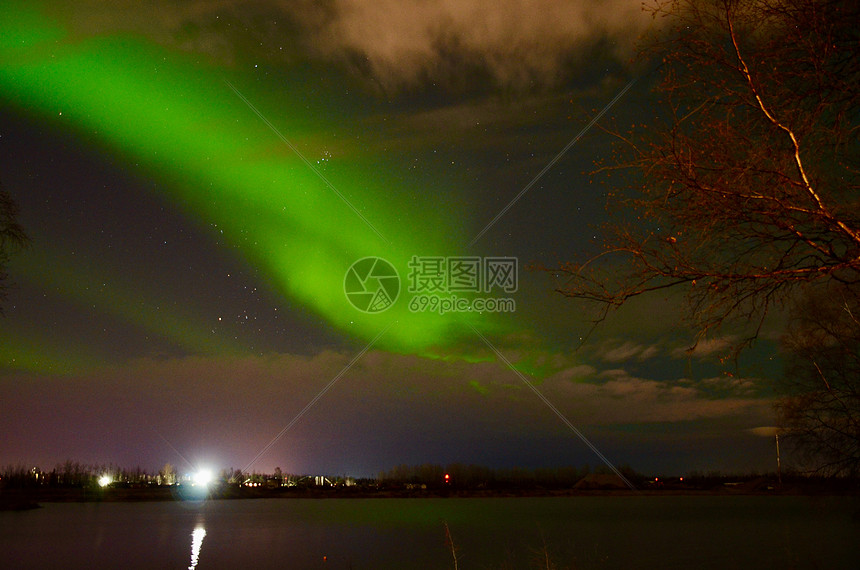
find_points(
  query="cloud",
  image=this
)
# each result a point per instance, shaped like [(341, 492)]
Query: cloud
[(732, 384), (578, 372), (514, 42), (765, 431), (615, 396), (397, 43), (706, 347), (612, 351)]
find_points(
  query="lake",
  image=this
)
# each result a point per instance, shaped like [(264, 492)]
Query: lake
[(583, 532)]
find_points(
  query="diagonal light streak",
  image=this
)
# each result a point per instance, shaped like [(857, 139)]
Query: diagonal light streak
[(308, 163), (555, 159), (555, 410), (316, 398), (176, 451)]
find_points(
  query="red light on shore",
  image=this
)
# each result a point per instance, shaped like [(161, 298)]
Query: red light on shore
[(447, 478)]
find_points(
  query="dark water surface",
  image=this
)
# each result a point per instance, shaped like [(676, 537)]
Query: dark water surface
[(717, 532)]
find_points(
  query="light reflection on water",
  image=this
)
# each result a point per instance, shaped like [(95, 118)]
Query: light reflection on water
[(196, 544), (588, 533)]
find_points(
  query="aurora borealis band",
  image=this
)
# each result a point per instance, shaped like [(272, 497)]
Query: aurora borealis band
[(226, 168), (197, 179)]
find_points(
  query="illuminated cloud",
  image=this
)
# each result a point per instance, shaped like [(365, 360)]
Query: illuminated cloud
[(615, 396), (708, 347), (394, 43), (729, 383), (514, 42), (765, 431), (615, 351)]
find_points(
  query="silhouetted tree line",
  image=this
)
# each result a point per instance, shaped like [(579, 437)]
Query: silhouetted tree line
[(71, 474), (463, 476)]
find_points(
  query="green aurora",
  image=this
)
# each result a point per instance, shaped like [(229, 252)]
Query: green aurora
[(175, 119)]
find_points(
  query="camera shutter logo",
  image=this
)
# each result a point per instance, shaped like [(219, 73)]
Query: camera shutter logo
[(371, 285)]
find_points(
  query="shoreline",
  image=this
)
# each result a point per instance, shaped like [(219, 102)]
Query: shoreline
[(26, 499)]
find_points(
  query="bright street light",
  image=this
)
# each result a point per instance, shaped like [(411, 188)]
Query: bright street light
[(202, 478)]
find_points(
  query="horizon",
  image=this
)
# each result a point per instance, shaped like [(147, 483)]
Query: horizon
[(96, 471)]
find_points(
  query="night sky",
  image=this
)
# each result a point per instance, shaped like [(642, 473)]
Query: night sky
[(197, 178)]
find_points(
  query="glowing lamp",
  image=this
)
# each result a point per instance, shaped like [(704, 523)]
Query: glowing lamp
[(202, 478)]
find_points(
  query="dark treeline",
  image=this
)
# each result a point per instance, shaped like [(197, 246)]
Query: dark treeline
[(70, 474), (478, 476), (74, 474), (457, 477)]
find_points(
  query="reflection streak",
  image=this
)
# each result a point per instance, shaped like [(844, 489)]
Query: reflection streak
[(196, 544)]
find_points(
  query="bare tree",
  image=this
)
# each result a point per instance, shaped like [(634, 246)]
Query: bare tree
[(820, 407), (168, 474), (12, 237), (747, 190)]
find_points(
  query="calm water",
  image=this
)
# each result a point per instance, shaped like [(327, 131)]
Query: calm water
[(576, 532)]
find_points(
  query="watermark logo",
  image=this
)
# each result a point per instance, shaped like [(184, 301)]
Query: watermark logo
[(437, 284), (431, 274), (446, 284), (371, 284)]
